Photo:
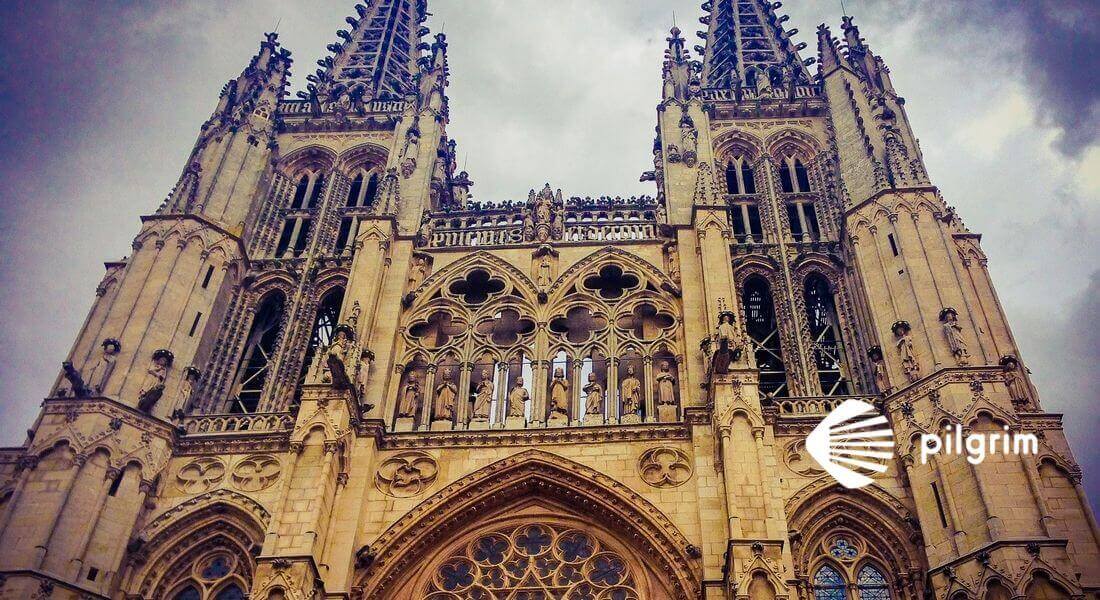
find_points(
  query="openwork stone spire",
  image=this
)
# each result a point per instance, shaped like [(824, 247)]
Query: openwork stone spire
[(746, 45), (377, 58)]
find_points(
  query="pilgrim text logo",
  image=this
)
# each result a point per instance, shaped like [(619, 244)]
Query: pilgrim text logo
[(851, 442)]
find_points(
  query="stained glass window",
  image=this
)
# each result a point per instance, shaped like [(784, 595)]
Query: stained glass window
[(872, 585), (828, 584)]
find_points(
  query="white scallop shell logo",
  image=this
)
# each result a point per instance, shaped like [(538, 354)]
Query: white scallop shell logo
[(851, 443)]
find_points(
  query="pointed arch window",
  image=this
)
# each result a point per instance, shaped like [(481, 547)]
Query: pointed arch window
[(300, 192), (739, 176), (871, 585), (353, 193), (258, 356), (828, 584), (825, 342), (324, 325), (363, 189), (793, 176), (763, 331)]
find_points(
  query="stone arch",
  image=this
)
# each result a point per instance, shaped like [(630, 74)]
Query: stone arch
[(887, 533), (479, 258), (528, 477), (737, 143), (314, 157), (219, 522), (366, 156), (791, 142), (606, 255)]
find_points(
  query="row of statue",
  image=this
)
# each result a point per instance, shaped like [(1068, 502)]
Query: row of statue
[(94, 382), (444, 401)]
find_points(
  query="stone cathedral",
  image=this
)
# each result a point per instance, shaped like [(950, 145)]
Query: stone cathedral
[(327, 372)]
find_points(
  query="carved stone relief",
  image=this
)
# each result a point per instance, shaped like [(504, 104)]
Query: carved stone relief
[(255, 473), (407, 474), (664, 467), (200, 475)]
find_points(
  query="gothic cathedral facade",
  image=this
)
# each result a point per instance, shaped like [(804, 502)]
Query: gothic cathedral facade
[(325, 372)]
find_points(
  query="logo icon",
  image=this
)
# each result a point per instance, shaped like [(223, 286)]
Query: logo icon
[(847, 442)]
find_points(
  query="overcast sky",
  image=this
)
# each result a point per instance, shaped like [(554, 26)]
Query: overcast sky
[(100, 104)]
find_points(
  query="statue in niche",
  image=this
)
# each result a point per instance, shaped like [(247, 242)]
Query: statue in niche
[(952, 331), (689, 139), (336, 356), (424, 234), (666, 385), (726, 344), (412, 151), (630, 392), (153, 387), (544, 277), (483, 397), (417, 273), (517, 399), (443, 408), (410, 398), (906, 352), (1014, 381), (101, 371), (559, 396), (187, 387), (593, 398), (878, 366)]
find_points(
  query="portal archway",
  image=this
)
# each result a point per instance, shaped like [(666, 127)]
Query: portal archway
[(532, 522)]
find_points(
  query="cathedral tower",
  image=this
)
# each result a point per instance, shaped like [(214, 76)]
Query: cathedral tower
[(326, 372)]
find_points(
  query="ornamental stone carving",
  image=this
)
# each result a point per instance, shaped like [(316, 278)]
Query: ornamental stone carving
[(200, 475), (407, 474), (255, 473), (664, 467)]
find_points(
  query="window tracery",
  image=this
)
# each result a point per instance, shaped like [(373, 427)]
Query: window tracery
[(516, 363), (825, 341), (298, 216), (216, 577), (534, 561), (848, 572)]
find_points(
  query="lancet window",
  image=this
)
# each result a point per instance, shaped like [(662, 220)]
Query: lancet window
[(739, 176), (258, 357), (298, 217), (825, 340), (764, 336), (361, 196), (846, 572), (324, 325), (607, 351), (793, 176)]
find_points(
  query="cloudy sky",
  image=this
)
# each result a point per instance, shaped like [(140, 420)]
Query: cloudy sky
[(100, 104)]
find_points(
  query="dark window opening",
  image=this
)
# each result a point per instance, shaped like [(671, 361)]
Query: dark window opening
[(345, 232), (795, 220), (194, 324), (372, 190), (318, 185), (801, 176), (785, 183), (115, 483), (303, 237), (893, 244), (300, 192), (731, 179), (763, 331), (284, 237), (324, 325), (93, 573), (825, 345), (747, 178), (939, 505), (206, 278), (356, 187), (258, 355)]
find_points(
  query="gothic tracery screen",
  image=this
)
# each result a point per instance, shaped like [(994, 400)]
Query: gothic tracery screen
[(534, 561)]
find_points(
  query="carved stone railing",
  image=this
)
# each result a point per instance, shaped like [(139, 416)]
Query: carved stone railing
[(751, 95), (305, 107), (817, 406), (238, 423), (583, 219)]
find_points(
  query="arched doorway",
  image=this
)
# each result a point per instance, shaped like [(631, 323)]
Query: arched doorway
[(533, 525)]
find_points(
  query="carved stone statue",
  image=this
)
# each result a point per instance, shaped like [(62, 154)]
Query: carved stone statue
[(593, 396), (673, 263), (727, 343), (410, 398), (336, 355), (517, 399), (153, 386), (878, 366), (630, 392), (1014, 381), (443, 407), (666, 386), (483, 398), (417, 273), (99, 374), (187, 387), (952, 331), (689, 139), (906, 352), (427, 229), (544, 277), (353, 314), (559, 396)]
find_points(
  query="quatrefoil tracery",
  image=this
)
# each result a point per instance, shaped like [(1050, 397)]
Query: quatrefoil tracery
[(477, 286), (611, 282)]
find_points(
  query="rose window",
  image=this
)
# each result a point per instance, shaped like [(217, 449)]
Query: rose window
[(534, 562)]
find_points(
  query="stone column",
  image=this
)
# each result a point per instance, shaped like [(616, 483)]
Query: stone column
[(462, 403), (42, 547), (426, 398), (650, 401), (89, 527), (612, 391)]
